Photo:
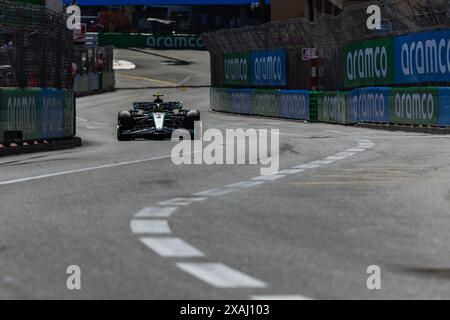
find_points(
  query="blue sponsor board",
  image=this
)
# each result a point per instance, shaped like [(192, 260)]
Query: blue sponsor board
[(51, 113), (422, 57), (269, 68), (369, 105), (444, 106), (295, 104), (241, 101)]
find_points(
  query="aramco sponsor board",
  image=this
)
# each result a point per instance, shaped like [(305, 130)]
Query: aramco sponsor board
[(259, 69), (369, 63), (423, 57), (37, 113), (141, 40), (417, 58), (414, 105)]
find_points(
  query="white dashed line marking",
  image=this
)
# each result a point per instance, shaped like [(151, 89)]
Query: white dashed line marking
[(216, 274), (336, 158), (181, 201), (268, 178), (306, 166), (245, 184), (172, 247), (220, 276), (150, 227), (290, 171), (156, 212), (215, 192), (355, 150), (345, 154), (322, 162)]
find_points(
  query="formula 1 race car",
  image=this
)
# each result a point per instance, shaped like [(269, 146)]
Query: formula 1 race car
[(157, 119)]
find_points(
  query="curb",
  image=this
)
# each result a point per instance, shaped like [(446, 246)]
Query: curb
[(417, 129), (42, 147)]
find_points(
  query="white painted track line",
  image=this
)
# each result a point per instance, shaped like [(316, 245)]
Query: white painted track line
[(290, 171), (62, 173), (156, 212), (172, 247), (150, 227), (215, 192), (220, 276), (181, 201), (245, 184), (268, 178), (306, 166)]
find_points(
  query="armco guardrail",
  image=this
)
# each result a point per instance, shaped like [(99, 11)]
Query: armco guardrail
[(429, 106), (36, 114), (155, 41)]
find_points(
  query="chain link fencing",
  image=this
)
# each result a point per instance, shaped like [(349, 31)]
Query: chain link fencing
[(328, 34), (36, 47)]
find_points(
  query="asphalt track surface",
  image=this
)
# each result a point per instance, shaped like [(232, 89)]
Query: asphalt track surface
[(309, 234)]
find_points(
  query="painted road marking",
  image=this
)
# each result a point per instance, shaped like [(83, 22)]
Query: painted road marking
[(322, 162), (217, 274), (150, 226), (280, 297), (355, 150), (290, 171), (215, 192), (245, 184), (106, 166), (172, 247), (306, 166), (181, 201), (220, 276), (269, 178), (345, 154), (123, 65), (156, 212), (336, 158)]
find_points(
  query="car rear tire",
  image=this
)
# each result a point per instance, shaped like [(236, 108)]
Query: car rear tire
[(125, 122), (190, 118)]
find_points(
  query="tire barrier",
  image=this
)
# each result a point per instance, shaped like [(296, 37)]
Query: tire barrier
[(33, 114), (426, 106), (155, 41)]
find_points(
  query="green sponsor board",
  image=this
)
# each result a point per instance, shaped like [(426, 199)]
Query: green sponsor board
[(332, 107), (266, 103), (141, 40), (19, 111), (237, 69), (415, 105), (369, 63)]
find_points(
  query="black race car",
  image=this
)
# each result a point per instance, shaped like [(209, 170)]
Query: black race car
[(157, 119)]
